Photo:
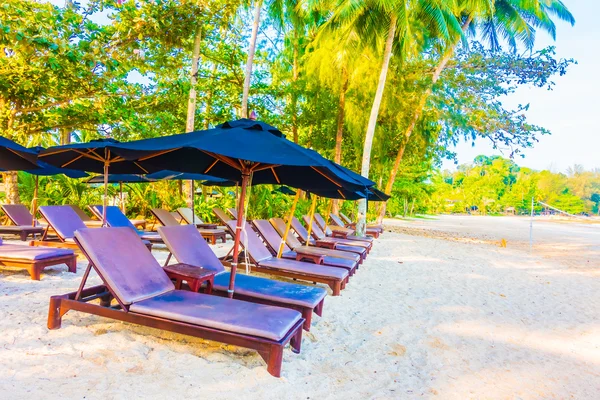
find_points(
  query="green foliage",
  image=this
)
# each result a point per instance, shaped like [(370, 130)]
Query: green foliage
[(495, 184)]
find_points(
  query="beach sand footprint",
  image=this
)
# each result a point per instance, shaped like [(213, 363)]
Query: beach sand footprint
[(398, 350)]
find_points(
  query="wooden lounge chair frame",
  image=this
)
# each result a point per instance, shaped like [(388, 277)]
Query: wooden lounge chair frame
[(305, 311), (270, 350), (336, 285)]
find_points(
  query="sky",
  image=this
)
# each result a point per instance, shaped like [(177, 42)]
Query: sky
[(570, 111)]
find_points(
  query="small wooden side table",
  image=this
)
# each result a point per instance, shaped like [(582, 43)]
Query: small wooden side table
[(315, 258), (193, 275)]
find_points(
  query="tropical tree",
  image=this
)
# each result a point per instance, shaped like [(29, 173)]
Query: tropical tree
[(404, 25), (510, 20)]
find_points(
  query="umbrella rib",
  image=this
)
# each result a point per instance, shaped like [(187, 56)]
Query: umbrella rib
[(14, 152), (223, 159), (266, 166), (160, 153), (72, 161), (334, 182), (211, 165), (341, 194), (140, 167), (275, 175)]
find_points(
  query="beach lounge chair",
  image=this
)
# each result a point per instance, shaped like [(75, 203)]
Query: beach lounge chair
[(222, 216), (145, 296), (350, 224), (189, 217), (166, 219), (187, 246), (23, 222), (35, 259), (137, 223), (63, 221), (326, 242), (116, 219), (233, 212), (346, 235), (177, 216), (87, 220), (333, 258), (263, 261)]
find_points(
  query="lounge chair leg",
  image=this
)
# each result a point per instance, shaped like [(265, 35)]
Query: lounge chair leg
[(336, 287), (55, 313), (23, 236), (72, 264), (319, 308), (296, 341), (105, 300), (307, 315), (34, 272), (274, 360)]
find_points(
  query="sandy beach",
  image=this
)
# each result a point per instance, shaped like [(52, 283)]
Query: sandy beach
[(439, 311)]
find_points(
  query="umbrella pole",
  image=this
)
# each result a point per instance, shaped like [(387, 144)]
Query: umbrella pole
[(312, 217), (288, 225), (329, 208), (193, 204), (34, 202), (106, 163), (121, 196), (238, 234)]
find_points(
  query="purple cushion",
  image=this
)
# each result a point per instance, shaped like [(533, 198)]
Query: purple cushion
[(189, 247), (251, 242), (33, 253), (63, 219), (305, 268), (125, 263), (18, 214), (272, 290), (21, 228), (220, 313), (269, 234)]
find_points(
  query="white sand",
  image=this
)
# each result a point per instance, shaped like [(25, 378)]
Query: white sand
[(452, 317)]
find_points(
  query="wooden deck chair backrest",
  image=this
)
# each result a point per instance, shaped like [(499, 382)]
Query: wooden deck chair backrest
[(188, 216), (80, 213), (279, 225), (189, 247), (18, 214), (336, 220), (164, 217), (269, 235), (224, 218), (114, 217), (124, 263), (63, 219), (251, 242), (315, 231)]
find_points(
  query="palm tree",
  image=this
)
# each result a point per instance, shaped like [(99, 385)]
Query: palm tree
[(285, 13), (511, 20), (374, 20)]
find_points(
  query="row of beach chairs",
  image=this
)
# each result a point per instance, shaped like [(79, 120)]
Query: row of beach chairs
[(264, 315)]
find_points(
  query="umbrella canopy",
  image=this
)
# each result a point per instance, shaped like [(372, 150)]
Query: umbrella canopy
[(14, 157), (45, 169), (371, 194), (119, 178), (91, 156), (246, 146), (284, 190), (174, 175)]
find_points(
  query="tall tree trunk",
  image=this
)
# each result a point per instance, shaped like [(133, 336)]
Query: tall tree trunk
[(335, 208), (417, 114), (65, 136), (250, 60), (209, 97), (361, 224), (191, 111), (294, 94), (11, 187)]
